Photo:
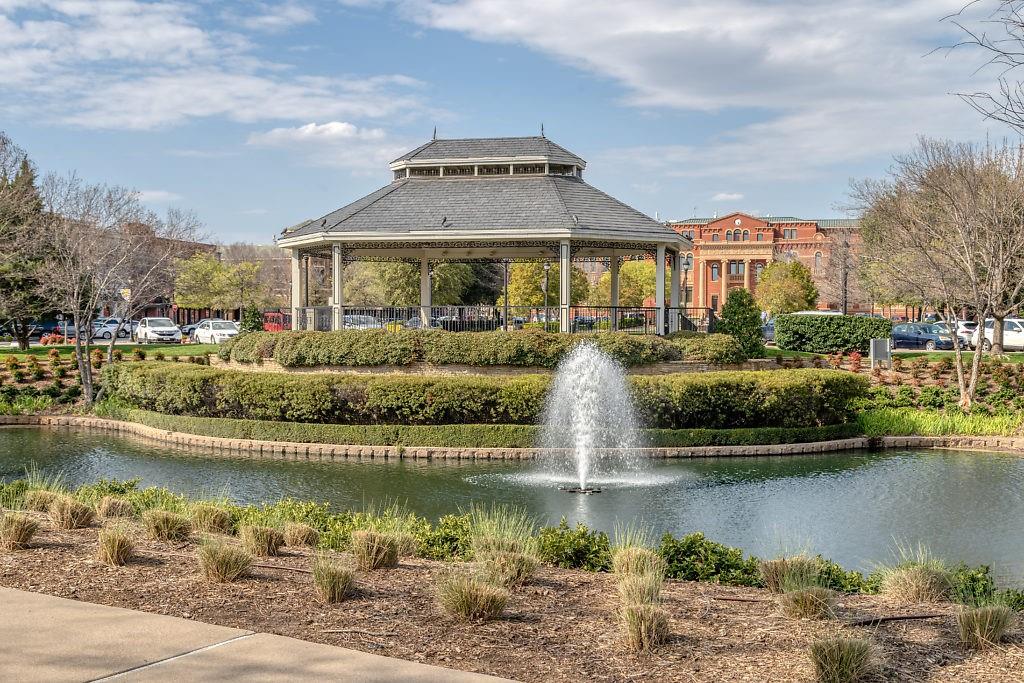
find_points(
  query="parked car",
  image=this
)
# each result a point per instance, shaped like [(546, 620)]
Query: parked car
[(106, 328), (190, 329), (215, 331), (362, 322), (962, 330), (920, 336), (158, 330), (1013, 335)]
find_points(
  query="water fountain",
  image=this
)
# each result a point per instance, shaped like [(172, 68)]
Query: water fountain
[(590, 422)]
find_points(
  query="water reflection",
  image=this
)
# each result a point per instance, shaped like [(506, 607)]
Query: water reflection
[(848, 506)]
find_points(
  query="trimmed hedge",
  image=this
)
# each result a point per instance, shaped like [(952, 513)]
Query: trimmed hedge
[(485, 349), (466, 436), (778, 398), (829, 333)]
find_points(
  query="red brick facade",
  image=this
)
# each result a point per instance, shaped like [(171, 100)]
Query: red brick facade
[(730, 252)]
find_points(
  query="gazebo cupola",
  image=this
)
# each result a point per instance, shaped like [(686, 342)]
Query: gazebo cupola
[(482, 199)]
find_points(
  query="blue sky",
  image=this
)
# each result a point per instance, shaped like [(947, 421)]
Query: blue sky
[(258, 115)]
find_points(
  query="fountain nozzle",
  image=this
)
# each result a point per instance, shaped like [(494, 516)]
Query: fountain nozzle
[(587, 490)]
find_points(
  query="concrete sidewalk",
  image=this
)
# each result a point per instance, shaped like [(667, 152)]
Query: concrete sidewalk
[(44, 638)]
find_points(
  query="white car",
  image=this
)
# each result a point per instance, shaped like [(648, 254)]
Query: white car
[(105, 328), (1013, 334), (964, 330), (158, 330), (215, 331)]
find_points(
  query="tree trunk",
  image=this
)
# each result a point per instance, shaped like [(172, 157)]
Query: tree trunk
[(21, 329), (84, 364), (997, 335)]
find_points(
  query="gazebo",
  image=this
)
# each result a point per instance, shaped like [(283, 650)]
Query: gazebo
[(489, 199)]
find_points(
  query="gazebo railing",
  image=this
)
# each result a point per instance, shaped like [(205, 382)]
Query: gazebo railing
[(582, 319)]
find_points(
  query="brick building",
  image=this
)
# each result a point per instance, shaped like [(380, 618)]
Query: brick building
[(731, 251)]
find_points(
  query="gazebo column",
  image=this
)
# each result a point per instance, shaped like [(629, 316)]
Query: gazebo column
[(296, 287), (614, 298), (564, 285), (425, 291), (338, 285), (673, 300), (659, 288)]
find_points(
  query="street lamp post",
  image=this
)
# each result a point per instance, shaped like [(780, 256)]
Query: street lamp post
[(686, 272), (547, 268), (506, 294)]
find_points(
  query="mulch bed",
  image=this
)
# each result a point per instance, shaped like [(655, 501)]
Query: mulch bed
[(560, 627)]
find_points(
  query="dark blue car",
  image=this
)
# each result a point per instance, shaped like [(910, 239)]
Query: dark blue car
[(920, 336)]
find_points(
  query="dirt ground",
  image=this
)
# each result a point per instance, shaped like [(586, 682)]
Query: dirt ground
[(560, 627)]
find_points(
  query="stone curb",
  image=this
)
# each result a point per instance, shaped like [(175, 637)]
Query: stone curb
[(283, 450)]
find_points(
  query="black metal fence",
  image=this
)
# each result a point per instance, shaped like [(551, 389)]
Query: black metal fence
[(631, 319)]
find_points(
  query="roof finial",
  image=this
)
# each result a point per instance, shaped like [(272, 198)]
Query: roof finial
[(435, 133), (542, 129)]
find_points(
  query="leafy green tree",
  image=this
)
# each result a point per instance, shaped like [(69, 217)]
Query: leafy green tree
[(636, 285), (741, 318), (526, 285), (785, 287), (203, 281), (21, 300), (252, 319), (399, 283)]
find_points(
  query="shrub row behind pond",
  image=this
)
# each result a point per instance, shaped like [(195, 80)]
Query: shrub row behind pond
[(483, 349), (780, 398), (467, 435), (829, 333)]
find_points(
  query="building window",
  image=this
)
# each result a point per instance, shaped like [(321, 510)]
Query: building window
[(426, 172), (760, 237), (714, 272), (746, 235), (714, 301), (561, 169), (527, 169), (789, 234), (758, 268), (688, 297), (714, 238), (728, 235), (494, 170), (817, 261), (458, 170)]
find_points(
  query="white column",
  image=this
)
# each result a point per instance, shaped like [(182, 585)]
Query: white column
[(564, 284), (746, 274), (614, 299), (296, 287), (659, 287), (424, 291), (338, 283), (673, 300)]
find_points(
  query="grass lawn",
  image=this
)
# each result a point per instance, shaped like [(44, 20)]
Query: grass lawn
[(126, 349)]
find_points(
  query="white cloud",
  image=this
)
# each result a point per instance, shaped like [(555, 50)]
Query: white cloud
[(158, 196), (727, 197), (277, 17), (126, 64), (830, 83), (337, 144)]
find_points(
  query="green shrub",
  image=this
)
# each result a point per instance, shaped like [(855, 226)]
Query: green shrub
[(695, 558), (829, 333), (574, 547), (783, 398), (717, 349), (741, 319)]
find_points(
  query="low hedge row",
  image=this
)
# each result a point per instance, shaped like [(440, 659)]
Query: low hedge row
[(829, 333), (465, 435), (520, 348), (714, 400)]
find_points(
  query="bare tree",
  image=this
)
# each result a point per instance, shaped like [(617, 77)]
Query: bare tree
[(85, 254), (948, 224)]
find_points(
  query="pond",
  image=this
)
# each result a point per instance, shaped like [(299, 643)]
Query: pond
[(849, 506)]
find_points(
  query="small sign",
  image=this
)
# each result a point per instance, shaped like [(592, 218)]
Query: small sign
[(881, 352)]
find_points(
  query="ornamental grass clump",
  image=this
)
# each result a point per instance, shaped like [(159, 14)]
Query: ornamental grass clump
[(222, 562), (640, 589), (374, 549), (261, 541), (210, 518), (916, 577), (297, 534), (468, 598), (116, 546), (632, 553), (842, 660), (333, 580), (502, 528), (163, 525), (507, 569), (644, 626), (68, 513), (17, 530), (112, 506), (789, 573), (813, 602), (39, 500), (982, 627)]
